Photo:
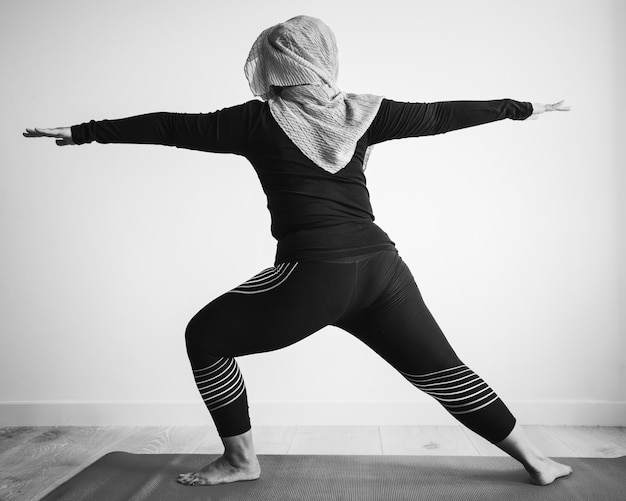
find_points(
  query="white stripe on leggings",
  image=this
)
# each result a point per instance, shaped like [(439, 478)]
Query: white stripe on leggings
[(459, 389), (220, 383), (266, 280)]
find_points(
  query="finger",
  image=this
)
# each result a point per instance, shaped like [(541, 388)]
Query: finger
[(560, 107), (39, 132), (32, 133)]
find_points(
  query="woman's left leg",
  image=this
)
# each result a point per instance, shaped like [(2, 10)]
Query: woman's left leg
[(390, 316), (276, 308)]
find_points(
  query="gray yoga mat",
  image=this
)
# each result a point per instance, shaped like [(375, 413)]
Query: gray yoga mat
[(123, 476)]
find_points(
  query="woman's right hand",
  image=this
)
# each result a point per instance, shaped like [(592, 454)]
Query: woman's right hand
[(63, 135)]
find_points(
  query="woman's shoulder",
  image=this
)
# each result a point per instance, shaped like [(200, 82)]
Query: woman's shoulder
[(253, 105)]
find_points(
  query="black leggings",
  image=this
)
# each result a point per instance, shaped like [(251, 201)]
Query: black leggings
[(374, 297)]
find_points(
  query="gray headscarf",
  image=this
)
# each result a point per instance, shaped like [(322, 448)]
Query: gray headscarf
[(300, 57)]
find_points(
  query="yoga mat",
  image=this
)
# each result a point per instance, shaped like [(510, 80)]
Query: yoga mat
[(123, 476)]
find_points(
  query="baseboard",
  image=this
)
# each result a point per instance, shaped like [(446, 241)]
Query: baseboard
[(71, 413)]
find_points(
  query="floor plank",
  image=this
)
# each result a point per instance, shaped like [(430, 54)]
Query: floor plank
[(545, 441), (48, 459), (273, 439), (210, 444), (163, 440), (336, 440), (426, 441), (15, 436), (588, 441)]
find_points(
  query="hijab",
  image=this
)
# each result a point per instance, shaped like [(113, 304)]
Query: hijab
[(294, 66)]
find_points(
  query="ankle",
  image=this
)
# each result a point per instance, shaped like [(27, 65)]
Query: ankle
[(239, 449), (517, 445), (240, 458), (536, 462)]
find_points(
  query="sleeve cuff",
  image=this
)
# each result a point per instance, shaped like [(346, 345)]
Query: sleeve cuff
[(81, 134)]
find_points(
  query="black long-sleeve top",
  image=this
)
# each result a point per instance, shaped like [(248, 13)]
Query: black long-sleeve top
[(315, 214)]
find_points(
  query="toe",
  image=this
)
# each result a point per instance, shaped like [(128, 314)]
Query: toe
[(185, 479), (197, 481)]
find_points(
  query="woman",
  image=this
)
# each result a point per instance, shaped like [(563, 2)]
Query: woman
[(308, 143)]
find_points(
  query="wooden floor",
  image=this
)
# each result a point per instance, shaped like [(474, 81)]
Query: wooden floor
[(35, 460)]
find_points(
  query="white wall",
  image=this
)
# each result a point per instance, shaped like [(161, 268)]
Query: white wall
[(515, 231)]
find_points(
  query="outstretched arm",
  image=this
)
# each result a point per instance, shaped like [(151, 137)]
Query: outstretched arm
[(397, 120), (223, 131), (171, 129)]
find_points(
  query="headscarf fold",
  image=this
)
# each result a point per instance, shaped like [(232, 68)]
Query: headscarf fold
[(294, 66)]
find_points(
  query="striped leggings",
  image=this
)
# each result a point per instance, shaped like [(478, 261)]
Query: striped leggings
[(373, 297)]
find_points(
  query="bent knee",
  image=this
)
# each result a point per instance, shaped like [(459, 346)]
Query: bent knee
[(197, 339), (203, 345), (195, 333)]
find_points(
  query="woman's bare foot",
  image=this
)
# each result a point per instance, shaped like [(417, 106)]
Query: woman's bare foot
[(238, 463), (542, 470), (545, 471), (222, 471)]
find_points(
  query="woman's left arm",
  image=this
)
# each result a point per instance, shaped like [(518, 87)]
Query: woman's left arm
[(397, 120)]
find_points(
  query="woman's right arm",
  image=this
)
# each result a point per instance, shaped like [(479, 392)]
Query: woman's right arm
[(151, 128), (221, 131)]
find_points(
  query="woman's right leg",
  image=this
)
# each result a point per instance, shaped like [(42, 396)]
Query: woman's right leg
[(274, 309), (398, 326)]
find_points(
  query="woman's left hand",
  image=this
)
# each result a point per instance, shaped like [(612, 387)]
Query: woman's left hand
[(544, 108)]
